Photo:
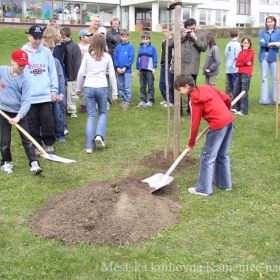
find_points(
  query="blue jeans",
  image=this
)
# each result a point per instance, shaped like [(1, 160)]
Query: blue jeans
[(242, 83), (268, 93), (125, 86), (162, 85), (147, 79), (95, 96), (215, 154), (231, 78), (59, 118)]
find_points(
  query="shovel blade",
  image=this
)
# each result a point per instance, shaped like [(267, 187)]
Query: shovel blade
[(158, 181), (56, 158)]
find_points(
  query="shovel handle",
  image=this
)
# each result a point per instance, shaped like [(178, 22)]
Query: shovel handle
[(25, 133), (201, 134)]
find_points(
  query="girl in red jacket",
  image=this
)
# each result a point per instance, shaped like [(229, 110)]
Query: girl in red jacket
[(245, 63), (209, 103)]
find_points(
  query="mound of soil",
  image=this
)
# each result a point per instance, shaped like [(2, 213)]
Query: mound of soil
[(119, 212), (157, 161)]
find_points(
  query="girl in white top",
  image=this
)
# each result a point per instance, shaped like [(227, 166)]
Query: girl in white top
[(93, 73)]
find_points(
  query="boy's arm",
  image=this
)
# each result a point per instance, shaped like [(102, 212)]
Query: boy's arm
[(154, 58), (130, 57), (196, 115), (25, 99)]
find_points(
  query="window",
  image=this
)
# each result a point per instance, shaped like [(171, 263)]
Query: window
[(202, 17), (243, 7), (186, 13), (218, 18)]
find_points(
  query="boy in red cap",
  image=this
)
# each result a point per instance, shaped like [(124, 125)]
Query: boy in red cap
[(15, 102), (209, 103)]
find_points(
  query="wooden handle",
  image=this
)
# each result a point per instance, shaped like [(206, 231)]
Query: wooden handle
[(25, 133)]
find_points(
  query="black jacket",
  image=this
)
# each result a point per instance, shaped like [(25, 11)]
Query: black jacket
[(112, 40), (72, 60)]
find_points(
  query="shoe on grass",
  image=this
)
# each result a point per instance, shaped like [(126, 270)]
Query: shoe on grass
[(7, 167), (225, 188), (74, 115), (162, 103), (239, 113), (141, 104), (193, 191), (35, 168), (171, 105), (149, 104), (50, 149), (88, 151), (99, 142)]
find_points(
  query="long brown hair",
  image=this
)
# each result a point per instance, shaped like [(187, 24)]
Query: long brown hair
[(97, 46)]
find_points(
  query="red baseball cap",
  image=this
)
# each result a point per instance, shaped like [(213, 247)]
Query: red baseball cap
[(20, 57)]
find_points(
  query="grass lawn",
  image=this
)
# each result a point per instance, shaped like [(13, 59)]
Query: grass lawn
[(233, 235)]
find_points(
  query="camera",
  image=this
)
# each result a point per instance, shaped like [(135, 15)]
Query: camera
[(188, 31)]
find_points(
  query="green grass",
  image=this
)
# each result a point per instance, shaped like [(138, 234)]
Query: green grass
[(233, 235)]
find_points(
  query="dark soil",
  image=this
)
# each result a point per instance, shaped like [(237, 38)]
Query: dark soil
[(119, 212)]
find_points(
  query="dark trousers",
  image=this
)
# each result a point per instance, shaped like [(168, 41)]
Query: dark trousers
[(41, 123), (242, 83), (231, 78), (162, 84), (6, 128), (147, 79)]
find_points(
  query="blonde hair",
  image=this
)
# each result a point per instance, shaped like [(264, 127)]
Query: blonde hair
[(97, 46), (51, 32), (48, 43)]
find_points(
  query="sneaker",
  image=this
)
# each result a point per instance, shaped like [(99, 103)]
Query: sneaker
[(239, 113), (7, 167), (99, 142), (88, 151), (124, 105), (193, 191), (66, 131), (149, 104), (141, 104), (171, 105), (35, 167), (162, 103), (74, 115), (50, 149), (233, 110), (108, 106), (224, 188)]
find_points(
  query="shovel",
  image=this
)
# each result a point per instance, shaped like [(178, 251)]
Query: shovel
[(37, 145), (160, 180)]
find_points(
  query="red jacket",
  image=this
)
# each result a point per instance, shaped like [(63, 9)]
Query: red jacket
[(209, 103), (245, 61)]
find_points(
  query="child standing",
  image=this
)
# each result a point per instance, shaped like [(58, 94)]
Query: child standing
[(231, 52), (245, 64), (72, 65), (209, 103), (123, 59), (93, 72), (212, 63), (146, 65), (15, 102), (162, 83), (84, 37)]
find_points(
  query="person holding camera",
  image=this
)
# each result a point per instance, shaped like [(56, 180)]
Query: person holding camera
[(193, 42)]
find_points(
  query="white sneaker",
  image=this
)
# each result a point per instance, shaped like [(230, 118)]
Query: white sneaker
[(171, 105), (239, 113), (35, 167), (149, 104), (162, 102), (141, 104), (193, 191), (66, 131), (88, 151), (74, 115), (7, 167), (233, 110), (99, 142)]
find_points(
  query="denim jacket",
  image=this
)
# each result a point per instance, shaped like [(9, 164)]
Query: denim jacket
[(267, 37)]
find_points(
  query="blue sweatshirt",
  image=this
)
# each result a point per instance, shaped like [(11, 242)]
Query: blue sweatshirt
[(147, 57), (42, 74), (231, 52), (124, 57), (14, 92)]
